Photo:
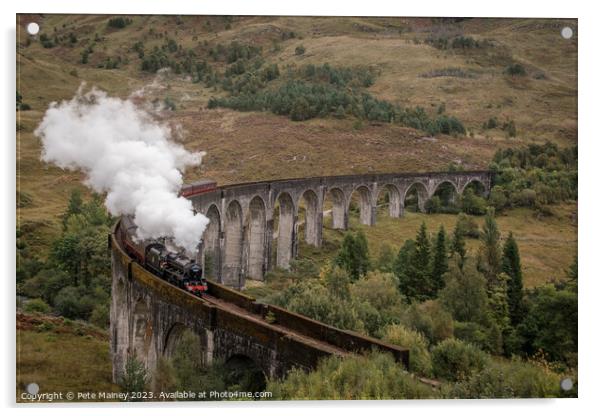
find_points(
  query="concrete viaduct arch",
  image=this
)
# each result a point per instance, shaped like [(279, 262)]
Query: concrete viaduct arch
[(254, 226)]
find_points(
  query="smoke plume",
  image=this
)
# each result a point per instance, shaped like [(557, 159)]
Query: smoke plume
[(124, 152)]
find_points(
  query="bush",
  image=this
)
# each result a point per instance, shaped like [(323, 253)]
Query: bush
[(432, 205), (516, 70), (456, 360), (119, 22), (468, 226), (509, 379), (498, 198), (374, 376), (72, 303), (135, 377), (36, 306), (100, 316), (430, 319), (300, 50), (473, 204), (420, 358)]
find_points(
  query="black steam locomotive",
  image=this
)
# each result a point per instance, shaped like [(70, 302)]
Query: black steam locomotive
[(172, 266)]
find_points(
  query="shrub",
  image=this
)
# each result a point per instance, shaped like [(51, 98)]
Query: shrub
[(473, 204), (498, 198), (373, 376), (515, 70), (36, 306), (420, 358), (135, 377), (119, 22), (381, 292), (100, 316), (508, 379), (430, 319), (468, 226), (300, 50), (432, 205), (456, 360), (510, 128), (72, 303)]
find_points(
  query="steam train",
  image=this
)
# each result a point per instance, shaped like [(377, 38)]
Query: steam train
[(172, 266)]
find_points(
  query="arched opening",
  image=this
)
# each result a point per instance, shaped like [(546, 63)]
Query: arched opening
[(211, 243), (477, 187), (309, 218), (445, 199), (256, 238), (243, 374), (334, 209), (174, 335), (361, 203), (389, 200), (415, 197), (284, 220), (142, 331), (231, 269)]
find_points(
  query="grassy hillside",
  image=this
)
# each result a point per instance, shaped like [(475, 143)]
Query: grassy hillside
[(61, 355), (411, 70), (547, 245)]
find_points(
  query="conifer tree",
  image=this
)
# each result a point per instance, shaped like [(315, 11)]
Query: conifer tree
[(353, 255), (490, 253), (512, 267), (423, 249), (439, 266), (458, 243)]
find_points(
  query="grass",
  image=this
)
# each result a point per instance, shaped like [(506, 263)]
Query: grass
[(62, 356), (547, 245)]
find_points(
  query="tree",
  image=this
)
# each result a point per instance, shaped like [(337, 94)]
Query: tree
[(353, 255), (439, 267), (413, 267), (551, 323), (512, 267), (423, 249), (458, 245), (465, 294), (301, 110), (188, 369), (74, 206), (490, 255), (337, 282), (135, 377)]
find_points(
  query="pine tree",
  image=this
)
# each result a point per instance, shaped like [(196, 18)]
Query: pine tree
[(404, 271), (512, 267), (353, 255), (490, 256), (421, 262), (458, 243), (423, 248), (74, 206), (439, 266)]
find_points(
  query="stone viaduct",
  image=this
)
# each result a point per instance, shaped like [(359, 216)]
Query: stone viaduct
[(244, 217), (149, 317)]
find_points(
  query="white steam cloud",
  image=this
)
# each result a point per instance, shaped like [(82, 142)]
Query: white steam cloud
[(126, 153)]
